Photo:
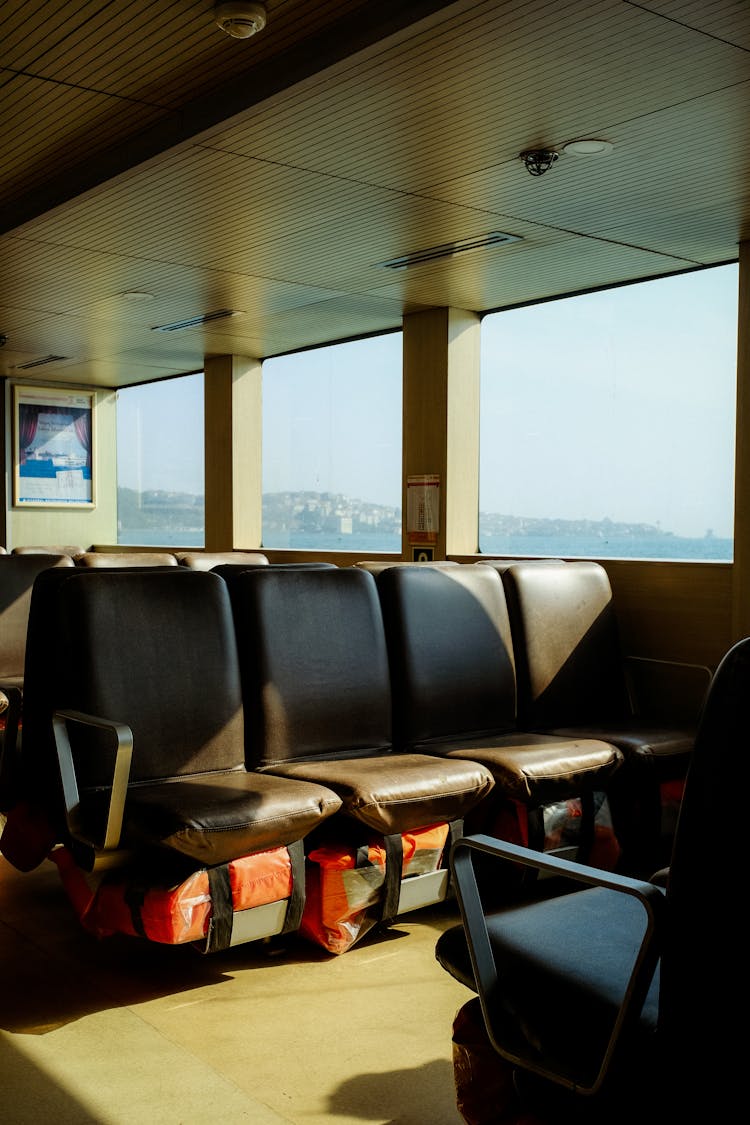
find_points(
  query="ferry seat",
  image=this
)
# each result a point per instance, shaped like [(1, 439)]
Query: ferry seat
[(208, 560), (611, 1000), (102, 559), (574, 681), (318, 706), (501, 565), (17, 575), (34, 549), (375, 566), (137, 725), (228, 570), (454, 692)]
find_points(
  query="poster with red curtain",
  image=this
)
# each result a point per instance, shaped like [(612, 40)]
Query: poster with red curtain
[(53, 447)]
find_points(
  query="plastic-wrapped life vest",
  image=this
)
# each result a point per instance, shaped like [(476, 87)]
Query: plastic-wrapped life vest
[(115, 902), (345, 885)]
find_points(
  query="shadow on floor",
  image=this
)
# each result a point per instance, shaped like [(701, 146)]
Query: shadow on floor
[(413, 1096)]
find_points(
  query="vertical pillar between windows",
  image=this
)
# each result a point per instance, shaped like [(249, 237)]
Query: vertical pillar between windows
[(233, 468), (741, 568), (441, 420)]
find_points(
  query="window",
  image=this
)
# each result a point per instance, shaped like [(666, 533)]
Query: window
[(160, 482), (332, 447), (608, 422)]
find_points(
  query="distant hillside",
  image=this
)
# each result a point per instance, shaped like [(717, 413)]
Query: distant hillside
[(326, 511)]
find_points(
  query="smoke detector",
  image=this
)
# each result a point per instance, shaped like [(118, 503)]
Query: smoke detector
[(238, 19)]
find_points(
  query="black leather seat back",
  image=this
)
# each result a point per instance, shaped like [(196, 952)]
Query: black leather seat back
[(314, 663), (17, 575), (566, 639), (451, 657), (152, 648)]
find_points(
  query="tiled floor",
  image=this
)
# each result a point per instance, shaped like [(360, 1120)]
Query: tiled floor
[(122, 1031)]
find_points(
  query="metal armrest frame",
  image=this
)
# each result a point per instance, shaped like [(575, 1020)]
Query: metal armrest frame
[(698, 676), (120, 775), (482, 958)]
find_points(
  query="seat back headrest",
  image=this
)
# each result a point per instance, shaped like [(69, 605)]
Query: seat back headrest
[(567, 645), (151, 648), (451, 656), (17, 576), (208, 560), (102, 559), (314, 662)]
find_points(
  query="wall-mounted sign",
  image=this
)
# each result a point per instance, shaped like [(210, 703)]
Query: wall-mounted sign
[(423, 508), (53, 448)]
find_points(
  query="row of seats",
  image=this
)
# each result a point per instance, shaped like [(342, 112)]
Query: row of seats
[(401, 699), (196, 560), (223, 718)]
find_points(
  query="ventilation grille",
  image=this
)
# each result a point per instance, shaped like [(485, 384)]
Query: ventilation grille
[(194, 321), (448, 249), (39, 362)]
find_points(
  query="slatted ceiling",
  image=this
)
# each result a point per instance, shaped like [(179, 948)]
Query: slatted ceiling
[(408, 144), (589, 194), (158, 53), (346, 147), (724, 19), (621, 192), (543, 275)]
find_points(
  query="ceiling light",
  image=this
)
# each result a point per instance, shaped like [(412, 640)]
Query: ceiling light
[(239, 19), (194, 321), (587, 147), (538, 160), (136, 295), (448, 249), (39, 362)]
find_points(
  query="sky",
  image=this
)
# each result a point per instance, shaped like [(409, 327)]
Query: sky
[(616, 405)]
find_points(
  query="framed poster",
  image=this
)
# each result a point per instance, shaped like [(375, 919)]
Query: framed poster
[(53, 448)]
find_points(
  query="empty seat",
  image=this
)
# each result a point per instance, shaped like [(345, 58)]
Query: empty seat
[(501, 565), (32, 549), (600, 999), (207, 560), (572, 682), (454, 689), (102, 559), (318, 704), (227, 570), (376, 565), (141, 664), (17, 575)]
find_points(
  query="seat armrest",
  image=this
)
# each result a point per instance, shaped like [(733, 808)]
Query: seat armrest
[(9, 745), (651, 898), (123, 739), (666, 689)]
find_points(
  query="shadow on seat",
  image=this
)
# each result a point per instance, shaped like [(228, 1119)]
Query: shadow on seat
[(317, 698), (208, 560), (453, 669), (118, 559), (17, 575), (574, 681), (134, 748), (613, 1003)]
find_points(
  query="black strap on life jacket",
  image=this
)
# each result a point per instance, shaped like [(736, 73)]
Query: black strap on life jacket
[(296, 903), (455, 832), (135, 895), (219, 934), (394, 863)]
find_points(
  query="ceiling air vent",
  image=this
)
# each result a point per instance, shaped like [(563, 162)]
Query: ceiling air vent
[(194, 321), (39, 362), (448, 249)]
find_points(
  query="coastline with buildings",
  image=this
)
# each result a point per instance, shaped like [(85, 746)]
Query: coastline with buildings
[(333, 521)]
